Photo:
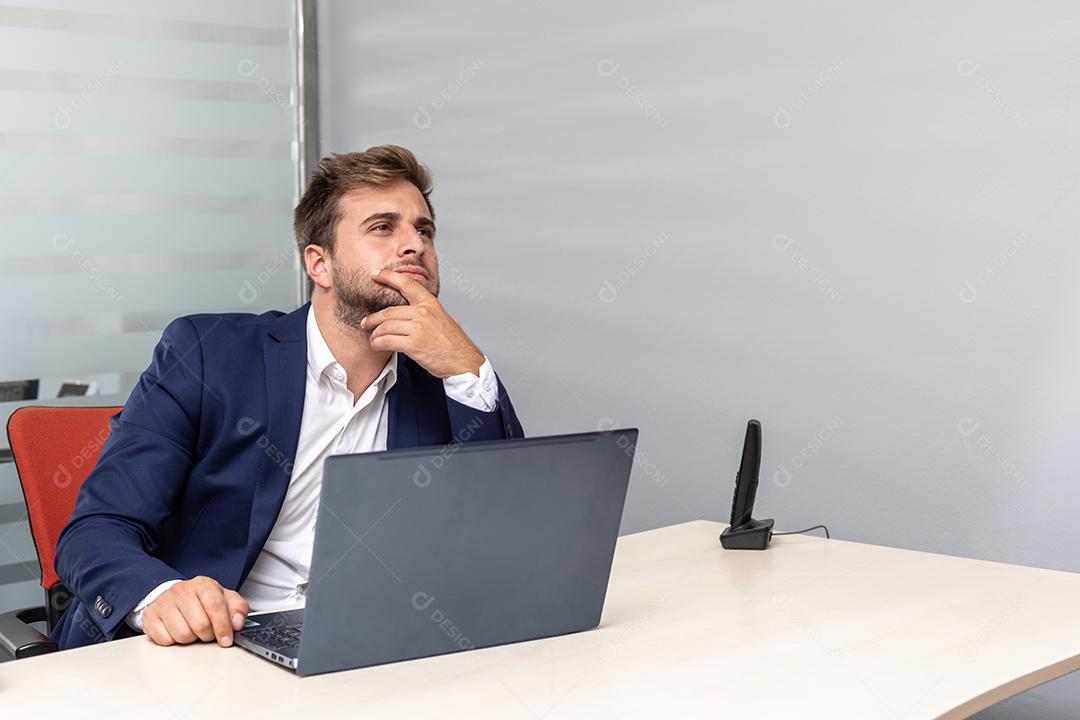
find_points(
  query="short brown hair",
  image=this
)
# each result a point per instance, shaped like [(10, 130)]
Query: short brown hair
[(317, 215)]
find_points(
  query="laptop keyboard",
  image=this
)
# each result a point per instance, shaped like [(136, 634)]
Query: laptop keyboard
[(278, 639), (276, 636)]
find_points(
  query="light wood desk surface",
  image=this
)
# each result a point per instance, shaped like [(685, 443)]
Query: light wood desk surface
[(810, 628)]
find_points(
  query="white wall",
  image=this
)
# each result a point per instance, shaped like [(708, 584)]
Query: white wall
[(855, 221)]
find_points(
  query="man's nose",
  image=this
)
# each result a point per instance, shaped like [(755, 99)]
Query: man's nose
[(410, 243)]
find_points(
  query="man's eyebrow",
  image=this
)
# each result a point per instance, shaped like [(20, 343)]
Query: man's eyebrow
[(382, 216), (422, 221)]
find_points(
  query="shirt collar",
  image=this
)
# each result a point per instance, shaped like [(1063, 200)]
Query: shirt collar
[(320, 359)]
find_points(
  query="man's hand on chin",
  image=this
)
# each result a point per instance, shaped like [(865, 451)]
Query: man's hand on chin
[(423, 330), (196, 609)]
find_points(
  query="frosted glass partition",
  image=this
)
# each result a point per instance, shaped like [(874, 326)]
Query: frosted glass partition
[(149, 169)]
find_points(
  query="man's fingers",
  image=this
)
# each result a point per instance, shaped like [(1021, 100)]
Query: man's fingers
[(196, 609), (236, 602), (213, 604), (413, 291), (394, 343), (397, 312), (156, 630), (237, 607), (394, 327), (177, 625), (197, 619)]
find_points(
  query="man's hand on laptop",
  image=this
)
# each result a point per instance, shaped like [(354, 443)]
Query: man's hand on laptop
[(196, 609), (423, 330)]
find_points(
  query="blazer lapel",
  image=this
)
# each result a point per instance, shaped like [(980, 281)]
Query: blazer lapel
[(402, 430), (285, 361)]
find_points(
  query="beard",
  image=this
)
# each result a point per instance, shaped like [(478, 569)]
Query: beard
[(358, 294)]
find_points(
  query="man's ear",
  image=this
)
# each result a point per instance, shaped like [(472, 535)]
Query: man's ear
[(317, 264)]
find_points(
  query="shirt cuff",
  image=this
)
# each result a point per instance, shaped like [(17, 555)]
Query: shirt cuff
[(478, 392), (134, 618)]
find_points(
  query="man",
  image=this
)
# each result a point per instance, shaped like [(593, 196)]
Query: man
[(202, 505)]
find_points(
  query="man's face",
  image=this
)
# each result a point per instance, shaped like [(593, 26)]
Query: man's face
[(386, 227)]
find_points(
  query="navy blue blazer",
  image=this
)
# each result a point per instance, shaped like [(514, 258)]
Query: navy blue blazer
[(195, 469)]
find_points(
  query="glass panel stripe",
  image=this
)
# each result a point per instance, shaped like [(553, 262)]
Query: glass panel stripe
[(105, 323), (112, 145), (95, 293), (113, 58), (253, 13), (18, 572), (12, 512), (77, 355), (64, 263), (173, 175), (16, 545), (146, 117), (10, 491), (141, 27), (136, 233), (139, 204), (104, 83)]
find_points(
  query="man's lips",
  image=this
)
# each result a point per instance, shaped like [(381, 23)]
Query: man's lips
[(414, 270)]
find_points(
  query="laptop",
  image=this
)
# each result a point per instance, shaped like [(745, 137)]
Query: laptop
[(426, 551)]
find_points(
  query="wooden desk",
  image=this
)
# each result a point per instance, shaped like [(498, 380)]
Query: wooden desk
[(808, 629)]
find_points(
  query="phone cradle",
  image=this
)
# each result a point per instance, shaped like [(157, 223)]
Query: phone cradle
[(753, 535)]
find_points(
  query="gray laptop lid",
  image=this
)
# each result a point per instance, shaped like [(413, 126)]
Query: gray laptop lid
[(427, 551)]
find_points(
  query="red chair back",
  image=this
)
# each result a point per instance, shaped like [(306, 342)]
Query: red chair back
[(54, 449)]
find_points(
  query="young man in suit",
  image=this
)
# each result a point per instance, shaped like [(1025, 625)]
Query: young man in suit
[(202, 504)]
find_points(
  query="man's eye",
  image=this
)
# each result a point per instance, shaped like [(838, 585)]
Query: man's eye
[(425, 232), (380, 227)]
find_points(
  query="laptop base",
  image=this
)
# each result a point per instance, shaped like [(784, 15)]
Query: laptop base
[(274, 635)]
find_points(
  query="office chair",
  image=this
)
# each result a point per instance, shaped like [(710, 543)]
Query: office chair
[(54, 449)]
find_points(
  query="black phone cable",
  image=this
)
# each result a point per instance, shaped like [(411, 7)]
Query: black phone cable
[(800, 532)]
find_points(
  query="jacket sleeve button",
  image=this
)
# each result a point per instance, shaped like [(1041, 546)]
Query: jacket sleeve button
[(103, 608)]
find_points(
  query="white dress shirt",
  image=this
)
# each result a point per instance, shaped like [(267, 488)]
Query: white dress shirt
[(332, 424)]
